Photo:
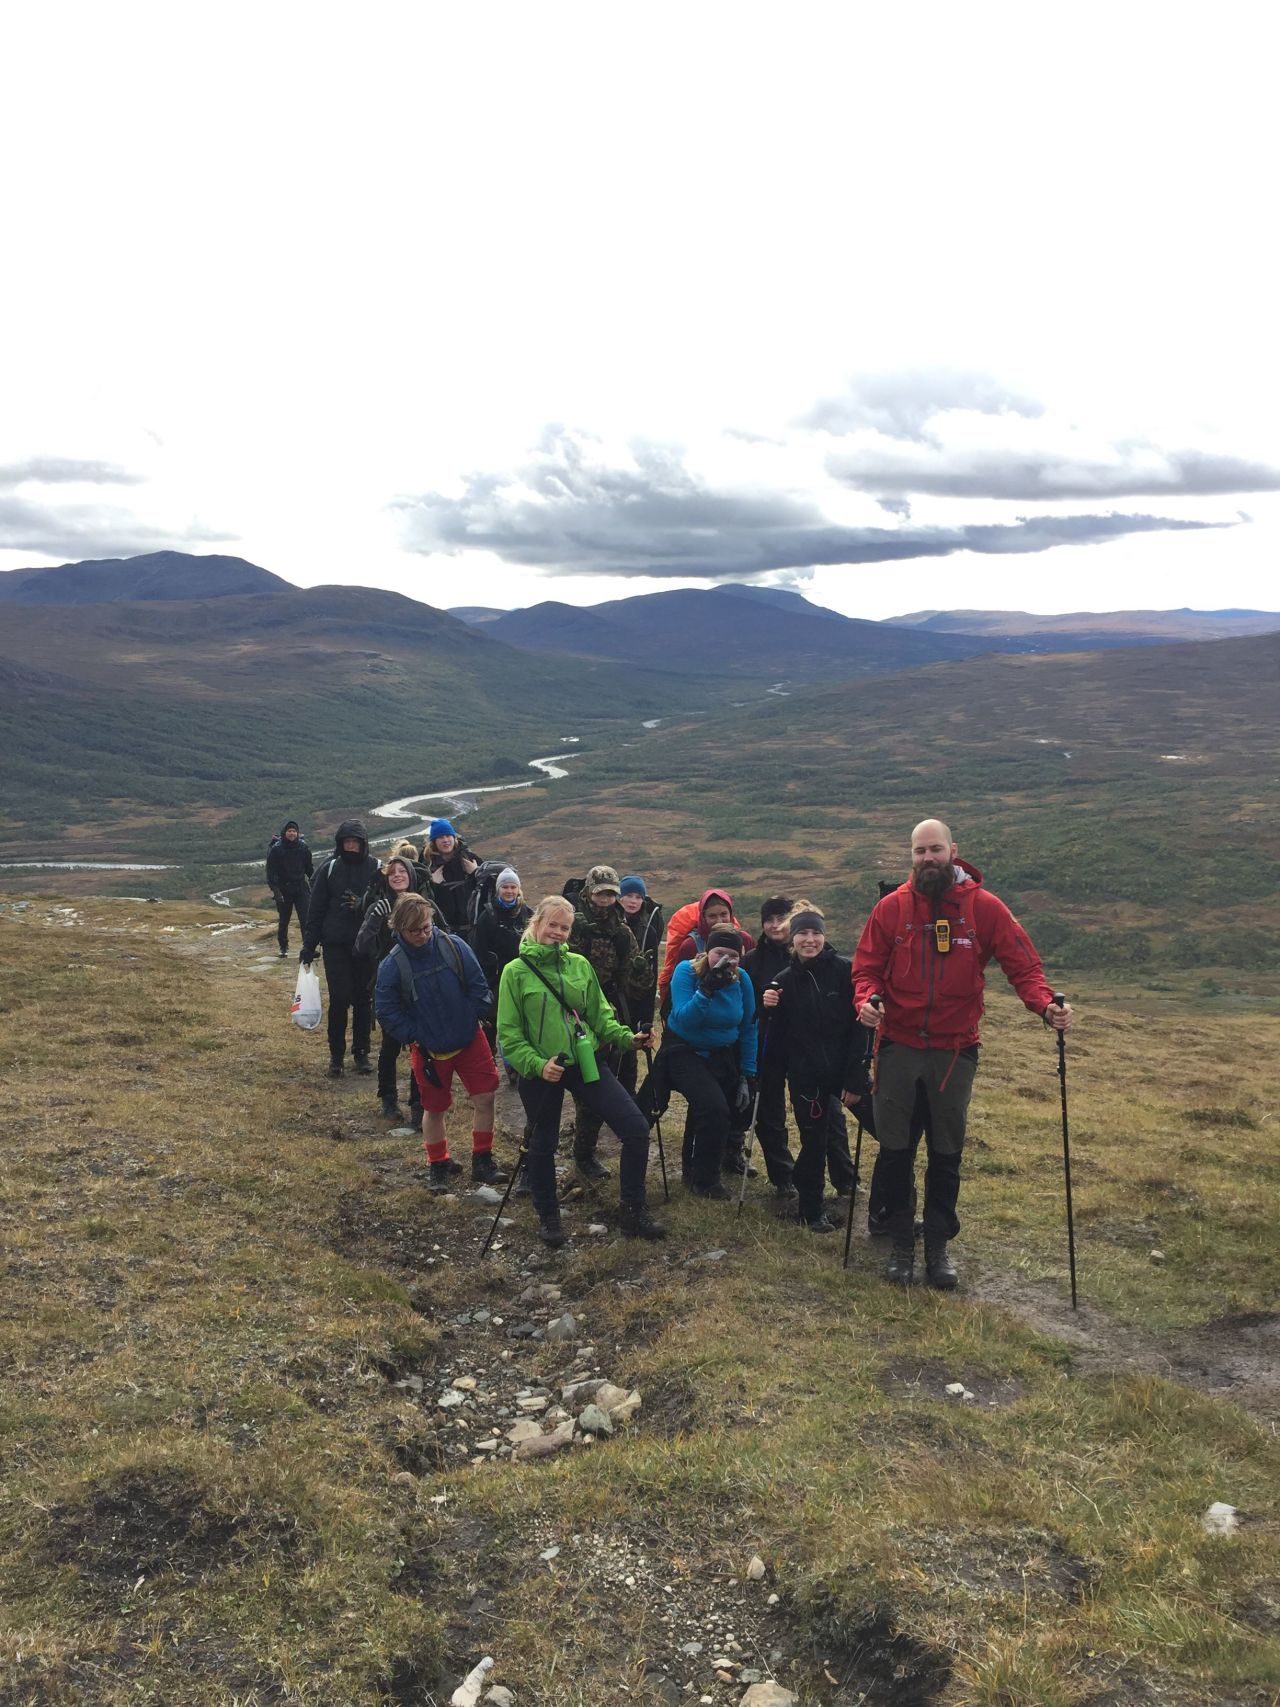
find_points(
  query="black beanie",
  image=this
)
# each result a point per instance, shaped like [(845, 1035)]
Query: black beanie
[(776, 906), (724, 936), (808, 921)]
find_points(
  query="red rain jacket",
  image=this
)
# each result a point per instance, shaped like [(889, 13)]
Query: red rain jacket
[(934, 1000)]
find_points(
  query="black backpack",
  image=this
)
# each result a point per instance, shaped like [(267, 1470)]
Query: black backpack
[(484, 883), (573, 889)]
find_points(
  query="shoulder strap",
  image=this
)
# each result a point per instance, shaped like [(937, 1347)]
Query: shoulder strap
[(405, 974), (571, 1011), (455, 954)]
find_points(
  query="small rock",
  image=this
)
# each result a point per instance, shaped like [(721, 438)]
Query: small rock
[(597, 1229), (500, 1695), (954, 1389), (580, 1391), (448, 1400), (402, 1132), (627, 1409), (487, 1194), (525, 1429), (562, 1328), (535, 1402), (545, 1443), (713, 1256), (749, 1674), (549, 1553), (465, 1383), (769, 1694), (1157, 1257), (772, 1600), (404, 1479), (594, 1420), (755, 1570), (693, 1649), (607, 1395), (1220, 1519)]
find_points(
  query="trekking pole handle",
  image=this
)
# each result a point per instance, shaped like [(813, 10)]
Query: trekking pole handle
[(1059, 999)]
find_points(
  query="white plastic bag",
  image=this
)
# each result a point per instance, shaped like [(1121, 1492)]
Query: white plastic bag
[(307, 1007)]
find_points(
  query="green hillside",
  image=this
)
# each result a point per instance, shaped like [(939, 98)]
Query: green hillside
[(1118, 800)]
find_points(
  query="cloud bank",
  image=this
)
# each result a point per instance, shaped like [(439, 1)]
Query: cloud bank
[(69, 529)]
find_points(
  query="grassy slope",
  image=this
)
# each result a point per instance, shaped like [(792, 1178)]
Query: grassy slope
[(211, 1491)]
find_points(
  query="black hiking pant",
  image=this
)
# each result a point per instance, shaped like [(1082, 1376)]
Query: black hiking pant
[(289, 901), (587, 1122), (771, 1129), (347, 976), (609, 1103), (824, 1147), (709, 1085), (945, 1078), (388, 1056)]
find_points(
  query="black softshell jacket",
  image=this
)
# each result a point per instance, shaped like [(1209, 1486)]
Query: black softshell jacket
[(814, 1035)]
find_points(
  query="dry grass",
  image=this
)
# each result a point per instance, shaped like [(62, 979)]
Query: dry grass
[(212, 1490)]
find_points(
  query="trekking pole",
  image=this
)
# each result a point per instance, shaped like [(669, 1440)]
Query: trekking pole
[(521, 1160), (755, 1104), (1060, 1001), (853, 1195), (657, 1126)]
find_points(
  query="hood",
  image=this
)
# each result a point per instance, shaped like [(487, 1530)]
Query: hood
[(409, 866), (351, 827), (544, 955), (704, 903), (291, 824)]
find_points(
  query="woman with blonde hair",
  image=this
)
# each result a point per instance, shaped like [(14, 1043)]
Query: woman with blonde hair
[(556, 1028)]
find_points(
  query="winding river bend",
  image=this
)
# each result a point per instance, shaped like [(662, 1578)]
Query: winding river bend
[(460, 801)]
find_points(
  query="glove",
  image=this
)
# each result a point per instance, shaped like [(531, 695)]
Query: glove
[(305, 957), (381, 908), (746, 1091), (717, 977), (350, 901)]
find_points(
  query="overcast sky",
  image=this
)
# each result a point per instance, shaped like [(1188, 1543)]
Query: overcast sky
[(906, 307)]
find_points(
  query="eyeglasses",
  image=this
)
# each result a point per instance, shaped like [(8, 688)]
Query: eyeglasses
[(416, 930)]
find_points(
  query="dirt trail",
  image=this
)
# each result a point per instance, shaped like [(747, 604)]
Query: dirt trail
[(1235, 1356)]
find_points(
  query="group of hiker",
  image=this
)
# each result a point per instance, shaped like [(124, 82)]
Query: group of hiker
[(565, 996)]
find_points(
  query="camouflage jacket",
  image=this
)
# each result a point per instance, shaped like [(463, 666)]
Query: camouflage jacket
[(606, 941)]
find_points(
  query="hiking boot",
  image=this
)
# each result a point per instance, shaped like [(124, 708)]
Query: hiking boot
[(392, 1110), (878, 1225), (283, 953), (901, 1266), (822, 1223), (715, 1191), (363, 1063), (738, 1165), (485, 1171), (939, 1266), (589, 1167), (522, 1188), (636, 1221), (440, 1175), (335, 1066), (550, 1231), (786, 1192)]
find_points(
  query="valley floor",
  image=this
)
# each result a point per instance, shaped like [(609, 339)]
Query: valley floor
[(231, 1312)]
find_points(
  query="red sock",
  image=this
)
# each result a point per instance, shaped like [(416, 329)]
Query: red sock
[(481, 1143), (438, 1151)]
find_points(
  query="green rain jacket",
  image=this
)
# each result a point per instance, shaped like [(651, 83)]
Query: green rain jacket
[(532, 1026)]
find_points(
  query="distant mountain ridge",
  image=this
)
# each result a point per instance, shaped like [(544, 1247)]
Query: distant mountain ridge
[(156, 575), (1103, 628)]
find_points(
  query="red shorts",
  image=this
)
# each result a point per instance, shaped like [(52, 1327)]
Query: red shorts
[(473, 1065)]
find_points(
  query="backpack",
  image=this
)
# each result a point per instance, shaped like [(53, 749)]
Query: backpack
[(573, 888), (485, 883)]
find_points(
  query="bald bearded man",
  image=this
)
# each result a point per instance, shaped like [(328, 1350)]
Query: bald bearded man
[(918, 980)]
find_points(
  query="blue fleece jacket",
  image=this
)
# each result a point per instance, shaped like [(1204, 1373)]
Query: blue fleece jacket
[(445, 1009), (714, 1022)]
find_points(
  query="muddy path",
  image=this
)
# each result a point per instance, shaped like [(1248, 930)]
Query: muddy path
[(1235, 1356)]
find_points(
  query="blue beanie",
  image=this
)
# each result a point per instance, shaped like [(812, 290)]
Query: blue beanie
[(632, 886), (440, 827)]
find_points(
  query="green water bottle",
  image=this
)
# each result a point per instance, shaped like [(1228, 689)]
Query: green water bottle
[(584, 1056)]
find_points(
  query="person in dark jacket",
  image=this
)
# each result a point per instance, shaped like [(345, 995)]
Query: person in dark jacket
[(401, 875), (432, 995), (708, 1054), (767, 960), (647, 926), (816, 1042), (451, 867), (496, 936), (333, 922), (603, 937), (289, 880)]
